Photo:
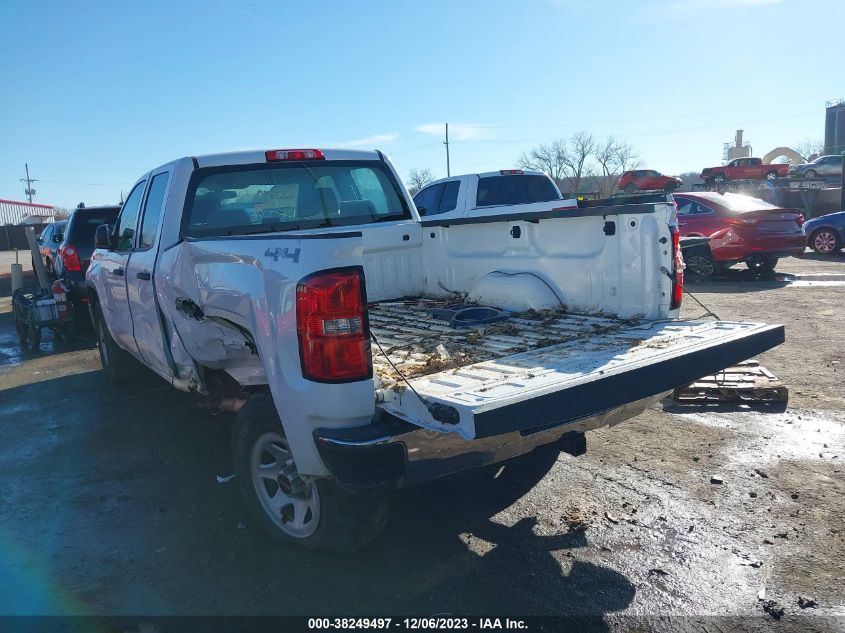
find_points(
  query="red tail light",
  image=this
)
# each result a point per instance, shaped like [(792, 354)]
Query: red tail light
[(293, 154), (331, 323), (70, 258), (678, 272), (511, 172)]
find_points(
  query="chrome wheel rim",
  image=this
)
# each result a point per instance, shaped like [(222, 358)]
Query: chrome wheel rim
[(270, 464), (701, 265), (719, 178), (824, 242), (810, 174), (771, 176)]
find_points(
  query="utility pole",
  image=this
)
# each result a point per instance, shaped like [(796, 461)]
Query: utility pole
[(29, 191), (446, 143)]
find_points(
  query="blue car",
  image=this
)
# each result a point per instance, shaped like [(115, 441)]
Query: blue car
[(826, 233)]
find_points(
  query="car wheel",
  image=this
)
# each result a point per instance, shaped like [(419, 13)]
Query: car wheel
[(760, 264), (719, 179), (701, 265), (825, 241), (772, 175), (669, 187), (630, 188), (810, 173), (117, 363), (313, 513)]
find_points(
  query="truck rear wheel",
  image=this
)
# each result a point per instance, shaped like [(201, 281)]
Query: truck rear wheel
[(771, 175), (117, 363), (314, 513)]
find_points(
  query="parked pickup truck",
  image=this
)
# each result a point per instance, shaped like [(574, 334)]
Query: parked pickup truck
[(506, 191), (744, 169), (365, 348)]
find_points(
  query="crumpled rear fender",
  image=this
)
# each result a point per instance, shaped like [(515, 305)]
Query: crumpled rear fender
[(229, 304)]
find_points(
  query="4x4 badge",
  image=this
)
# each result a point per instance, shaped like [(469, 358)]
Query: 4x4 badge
[(276, 253)]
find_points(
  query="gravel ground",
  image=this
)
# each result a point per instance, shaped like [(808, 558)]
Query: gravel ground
[(109, 502)]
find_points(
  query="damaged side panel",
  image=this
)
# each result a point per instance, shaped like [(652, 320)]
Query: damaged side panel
[(229, 304)]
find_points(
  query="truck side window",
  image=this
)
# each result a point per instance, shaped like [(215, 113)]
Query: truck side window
[(152, 211), (449, 198), (429, 198), (128, 219)]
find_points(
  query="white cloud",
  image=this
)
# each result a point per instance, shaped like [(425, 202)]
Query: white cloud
[(457, 131), (373, 140)]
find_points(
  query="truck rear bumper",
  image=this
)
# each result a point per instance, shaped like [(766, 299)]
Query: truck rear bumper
[(391, 453)]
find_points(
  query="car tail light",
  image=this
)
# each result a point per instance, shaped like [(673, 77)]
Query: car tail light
[(70, 258), (274, 155), (511, 172), (332, 327), (678, 272)]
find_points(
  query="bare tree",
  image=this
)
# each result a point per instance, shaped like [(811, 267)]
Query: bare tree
[(418, 178), (552, 159), (810, 148), (614, 158), (581, 146)]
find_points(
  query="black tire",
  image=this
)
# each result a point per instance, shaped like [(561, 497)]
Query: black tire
[(343, 522), (771, 175), (825, 241), (762, 264), (719, 179), (669, 187), (810, 173), (630, 188), (701, 264), (118, 365)]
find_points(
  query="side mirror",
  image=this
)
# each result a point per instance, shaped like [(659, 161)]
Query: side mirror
[(422, 211), (58, 237), (39, 239), (102, 238)]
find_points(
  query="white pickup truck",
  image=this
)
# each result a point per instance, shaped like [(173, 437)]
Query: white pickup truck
[(365, 348), (503, 192)]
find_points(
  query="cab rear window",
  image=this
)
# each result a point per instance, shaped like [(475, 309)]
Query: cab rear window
[(514, 189), (245, 199)]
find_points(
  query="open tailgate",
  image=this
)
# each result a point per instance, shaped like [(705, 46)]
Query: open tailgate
[(559, 384)]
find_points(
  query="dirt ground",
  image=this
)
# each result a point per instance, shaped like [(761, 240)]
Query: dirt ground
[(109, 502)]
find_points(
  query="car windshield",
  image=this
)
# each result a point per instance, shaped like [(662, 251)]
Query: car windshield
[(84, 225), (240, 200), (513, 189)]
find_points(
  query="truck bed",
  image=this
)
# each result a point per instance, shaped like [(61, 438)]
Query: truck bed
[(536, 370), (419, 344)]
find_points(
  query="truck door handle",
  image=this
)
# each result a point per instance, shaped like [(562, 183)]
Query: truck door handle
[(117, 271), (144, 275)]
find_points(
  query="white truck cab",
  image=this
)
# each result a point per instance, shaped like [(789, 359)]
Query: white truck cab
[(365, 347), (506, 191)]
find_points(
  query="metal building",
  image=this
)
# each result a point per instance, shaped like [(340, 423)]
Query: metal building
[(14, 212)]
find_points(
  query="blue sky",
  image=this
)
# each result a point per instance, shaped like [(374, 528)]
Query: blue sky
[(96, 93)]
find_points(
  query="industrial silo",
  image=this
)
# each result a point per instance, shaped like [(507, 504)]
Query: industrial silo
[(829, 129), (839, 134)]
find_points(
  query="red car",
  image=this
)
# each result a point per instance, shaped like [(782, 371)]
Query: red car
[(647, 179), (741, 229), (744, 169)]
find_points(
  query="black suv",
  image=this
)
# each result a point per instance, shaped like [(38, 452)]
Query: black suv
[(78, 245)]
